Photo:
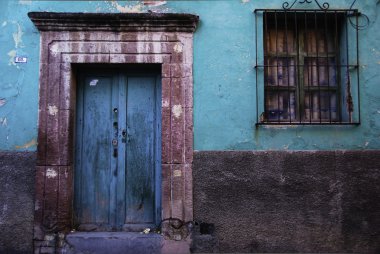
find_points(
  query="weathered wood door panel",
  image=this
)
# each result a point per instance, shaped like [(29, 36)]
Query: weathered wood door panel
[(118, 158)]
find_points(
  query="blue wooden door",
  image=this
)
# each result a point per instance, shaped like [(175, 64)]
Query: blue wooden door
[(118, 142)]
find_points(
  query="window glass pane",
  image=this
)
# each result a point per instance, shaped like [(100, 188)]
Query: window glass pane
[(319, 105), (280, 106), (317, 41), (280, 41), (280, 71), (320, 71)]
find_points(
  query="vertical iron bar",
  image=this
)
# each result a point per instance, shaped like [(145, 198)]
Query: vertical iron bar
[(317, 63), (278, 83), (297, 84), (348, 87), (266, 66), (256, 67), (337, 70), (357, 63), (287, 66), (327, 64), (308, 67)]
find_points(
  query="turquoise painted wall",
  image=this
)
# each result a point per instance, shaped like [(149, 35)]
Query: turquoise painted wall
[(224, 77)]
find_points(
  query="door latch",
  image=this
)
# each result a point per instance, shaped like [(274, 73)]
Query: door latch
[(114, 143)]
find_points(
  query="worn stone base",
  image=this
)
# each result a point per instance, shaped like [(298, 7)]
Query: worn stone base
[(287, 202), (16, 201), (121, 242)]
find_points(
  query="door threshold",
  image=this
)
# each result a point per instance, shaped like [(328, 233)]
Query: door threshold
[(113, 243), (112, 234)]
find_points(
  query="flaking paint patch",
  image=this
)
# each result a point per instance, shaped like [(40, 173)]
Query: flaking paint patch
[(4, 24), (2, 102), (154, 3), (178, 47), (31, 143), (177, 110), (177, 173), (12, 55), (54, 49), (127, 8), (25, 2), (17, 36), (165, 103), (53, 110), (3, 121), (51, 173)]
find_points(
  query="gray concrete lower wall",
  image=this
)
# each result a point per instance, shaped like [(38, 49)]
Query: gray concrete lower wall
[(281, 201), (16, 202), (258, 201)]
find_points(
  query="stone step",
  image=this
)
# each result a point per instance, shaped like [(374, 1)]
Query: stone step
[(112, 243)]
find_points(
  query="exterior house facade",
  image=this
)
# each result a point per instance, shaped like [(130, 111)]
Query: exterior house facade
[(227, 126)]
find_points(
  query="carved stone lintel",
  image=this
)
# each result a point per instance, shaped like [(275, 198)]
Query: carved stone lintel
[(119, 22)]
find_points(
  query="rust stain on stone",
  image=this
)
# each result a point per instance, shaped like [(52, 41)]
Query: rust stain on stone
[(31, 143)]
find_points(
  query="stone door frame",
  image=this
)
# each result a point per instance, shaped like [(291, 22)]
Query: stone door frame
[(70, 39)]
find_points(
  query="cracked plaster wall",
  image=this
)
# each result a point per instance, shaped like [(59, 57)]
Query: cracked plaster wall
[(224, 77)]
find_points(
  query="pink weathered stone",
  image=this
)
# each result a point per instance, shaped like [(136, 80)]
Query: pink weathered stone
[(177, 92), (188, 86), (166, 93), (181, 70), (66, 120), (166, 136), (50, 197), (189, 135), (65, 196), (53, 155), (177, 135), (165, 71), (67, 95), (178, 191), (166, 187), (42, 115)]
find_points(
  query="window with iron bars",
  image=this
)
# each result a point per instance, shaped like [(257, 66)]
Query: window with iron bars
[(309, 67)]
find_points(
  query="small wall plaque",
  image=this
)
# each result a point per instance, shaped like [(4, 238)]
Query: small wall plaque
[(21, 59)]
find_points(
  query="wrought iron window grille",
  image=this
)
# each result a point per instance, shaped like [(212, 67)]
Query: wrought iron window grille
[(307, 70)]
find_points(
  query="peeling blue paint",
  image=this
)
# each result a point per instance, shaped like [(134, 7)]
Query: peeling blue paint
[(224, 80)]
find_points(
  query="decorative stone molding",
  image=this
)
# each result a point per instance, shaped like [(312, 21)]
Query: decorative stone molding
[(116, 22), (72, 39)]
